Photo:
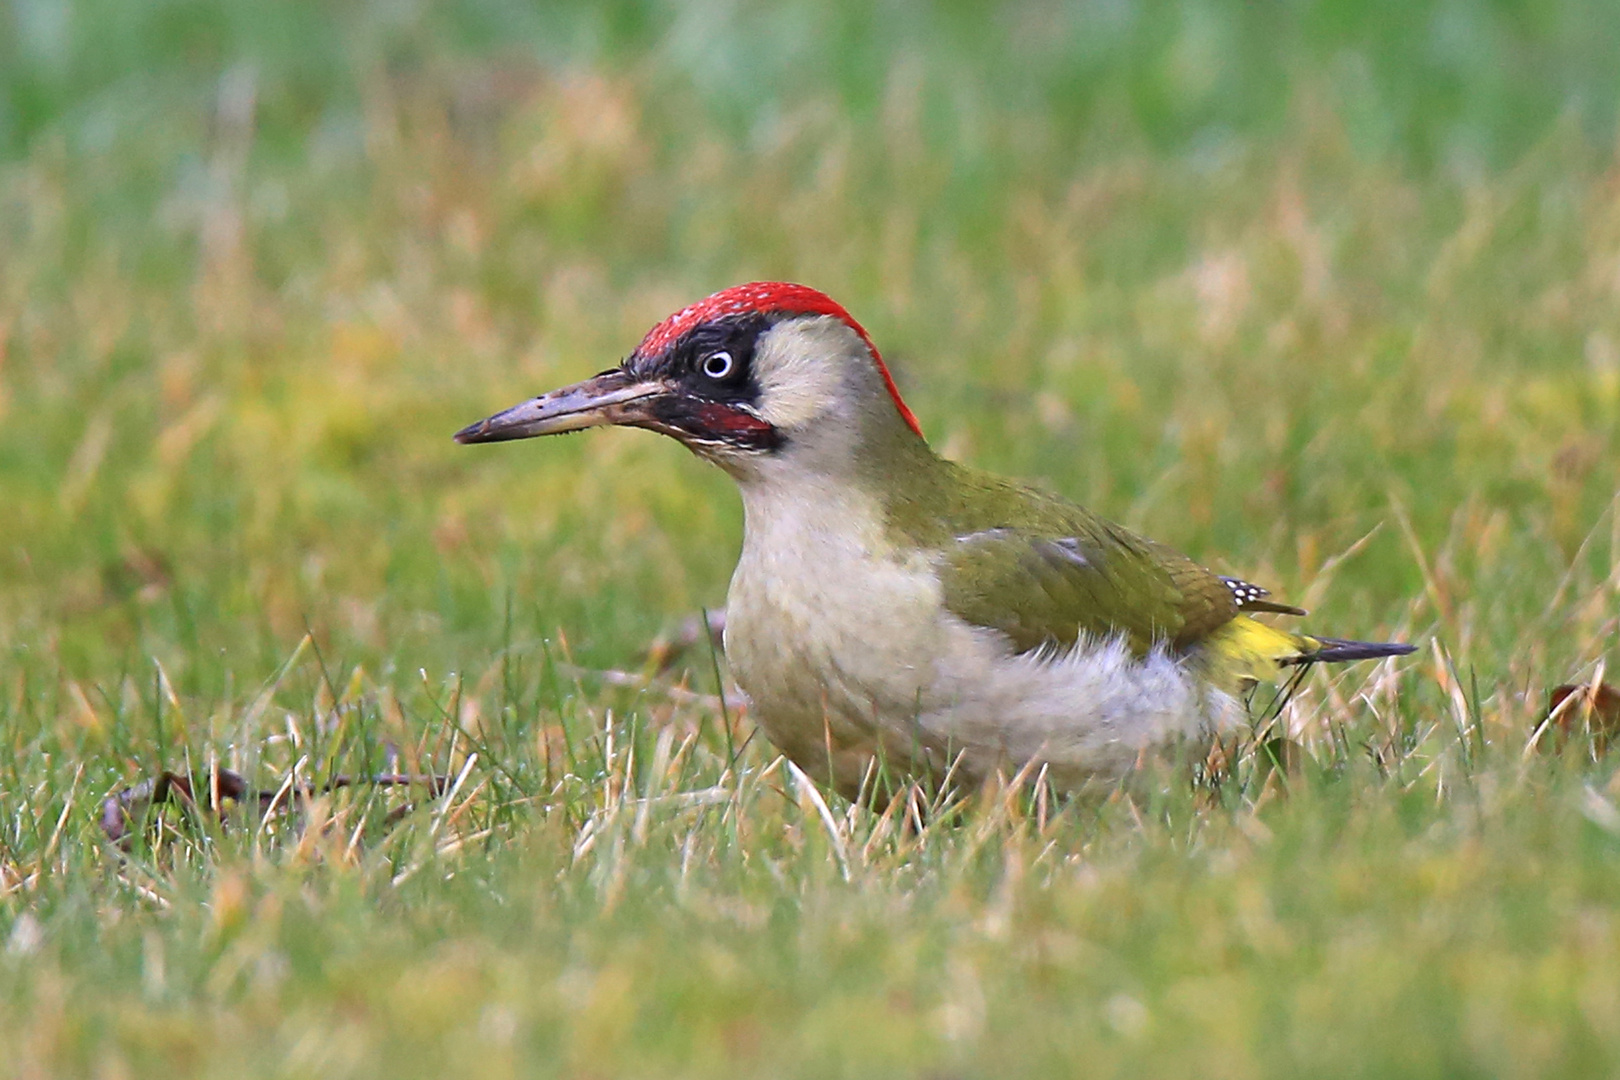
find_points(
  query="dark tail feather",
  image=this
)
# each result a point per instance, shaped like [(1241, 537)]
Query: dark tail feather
[(1338, 650), (1273, 607)]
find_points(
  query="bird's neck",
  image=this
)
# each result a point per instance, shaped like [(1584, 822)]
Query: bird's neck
[(842, 488)]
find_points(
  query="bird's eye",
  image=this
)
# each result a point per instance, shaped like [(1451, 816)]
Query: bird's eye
[(719, 365)]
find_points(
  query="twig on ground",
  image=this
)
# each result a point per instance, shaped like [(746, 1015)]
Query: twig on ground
[(123, 809)]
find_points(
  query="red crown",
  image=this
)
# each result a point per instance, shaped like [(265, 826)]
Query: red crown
[(765, 297)]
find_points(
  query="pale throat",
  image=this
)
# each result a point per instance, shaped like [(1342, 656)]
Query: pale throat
[(818, 539), (788, 506)]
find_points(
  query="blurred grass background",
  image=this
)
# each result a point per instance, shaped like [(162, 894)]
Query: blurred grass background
[(1261, 279)]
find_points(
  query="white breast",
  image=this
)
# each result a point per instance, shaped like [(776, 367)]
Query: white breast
[(847, 653)]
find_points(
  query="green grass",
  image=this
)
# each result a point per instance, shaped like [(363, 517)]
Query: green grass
[(1325, 294)]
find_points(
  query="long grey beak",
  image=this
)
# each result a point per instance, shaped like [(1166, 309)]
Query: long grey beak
[(613, 397)]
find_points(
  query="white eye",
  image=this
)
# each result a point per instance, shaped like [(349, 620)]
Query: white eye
[(718, 365)]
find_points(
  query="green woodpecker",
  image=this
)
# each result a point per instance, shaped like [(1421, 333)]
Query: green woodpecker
[(892, 606)]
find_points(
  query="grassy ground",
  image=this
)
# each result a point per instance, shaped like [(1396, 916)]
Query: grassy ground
[(1327, 295)]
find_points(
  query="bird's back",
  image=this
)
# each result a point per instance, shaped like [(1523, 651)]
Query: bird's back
[(1046, 571)]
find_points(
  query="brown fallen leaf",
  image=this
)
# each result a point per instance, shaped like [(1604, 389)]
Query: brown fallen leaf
[(1576, 708)]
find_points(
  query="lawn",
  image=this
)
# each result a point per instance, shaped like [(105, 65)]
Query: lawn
[(1326, 294)]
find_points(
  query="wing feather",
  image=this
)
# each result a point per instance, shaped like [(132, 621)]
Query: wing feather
[(1046, 590)]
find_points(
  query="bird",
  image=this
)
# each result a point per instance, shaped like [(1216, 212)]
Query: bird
[(894, 613)]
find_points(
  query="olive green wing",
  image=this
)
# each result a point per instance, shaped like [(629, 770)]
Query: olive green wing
[(1044, 588)]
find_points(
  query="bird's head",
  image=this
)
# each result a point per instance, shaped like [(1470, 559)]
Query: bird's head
[(754, 374)]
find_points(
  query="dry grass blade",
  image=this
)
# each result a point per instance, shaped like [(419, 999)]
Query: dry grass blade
[(808, 791)]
